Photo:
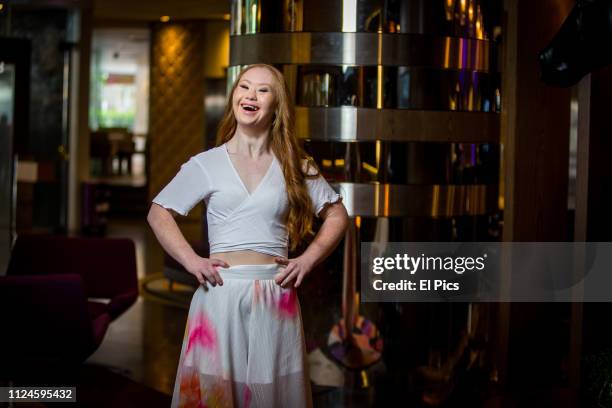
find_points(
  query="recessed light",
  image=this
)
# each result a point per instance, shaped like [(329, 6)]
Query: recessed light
[(164, 19)]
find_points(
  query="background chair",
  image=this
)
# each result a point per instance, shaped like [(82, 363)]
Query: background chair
[(59, 297), (107, 266), (47, 325)]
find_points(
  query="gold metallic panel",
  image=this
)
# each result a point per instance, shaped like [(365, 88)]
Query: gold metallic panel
[(363, 49), (392, 200), (352, 124)]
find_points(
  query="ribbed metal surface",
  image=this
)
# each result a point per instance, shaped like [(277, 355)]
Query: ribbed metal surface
[(362, 49), (457, 18), (347, 123), (411, 163), (416, 83), (391, 87)]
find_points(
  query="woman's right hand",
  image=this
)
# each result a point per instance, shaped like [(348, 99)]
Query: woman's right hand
[(205, 269)]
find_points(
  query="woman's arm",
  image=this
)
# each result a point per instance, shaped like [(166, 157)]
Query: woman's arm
[(174, 243), (329, 236)]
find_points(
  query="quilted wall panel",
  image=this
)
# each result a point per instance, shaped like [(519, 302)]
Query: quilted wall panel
[(176, 101)]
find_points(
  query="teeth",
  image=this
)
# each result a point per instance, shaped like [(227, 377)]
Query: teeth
[(250, 108)]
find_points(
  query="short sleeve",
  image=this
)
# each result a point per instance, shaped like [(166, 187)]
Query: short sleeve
[(188, 187), (321, 192)]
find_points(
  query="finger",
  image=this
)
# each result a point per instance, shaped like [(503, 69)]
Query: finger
[(287, 282), (289, 278), (215, 261), (283, 261), (217, 276), (200, 277), (281, 275), (298, 281), (210, 278)]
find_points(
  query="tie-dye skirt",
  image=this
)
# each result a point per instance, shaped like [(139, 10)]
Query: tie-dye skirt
[(244, 344)]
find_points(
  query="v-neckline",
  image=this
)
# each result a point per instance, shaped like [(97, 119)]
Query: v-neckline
[(263, 179)]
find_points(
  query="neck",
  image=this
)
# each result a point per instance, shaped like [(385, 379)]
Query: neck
[(250, 142)]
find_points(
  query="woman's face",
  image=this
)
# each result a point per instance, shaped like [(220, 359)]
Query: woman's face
[(253, 100)]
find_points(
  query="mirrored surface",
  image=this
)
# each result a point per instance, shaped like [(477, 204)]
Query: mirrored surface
[(417, 163), (393, 87)]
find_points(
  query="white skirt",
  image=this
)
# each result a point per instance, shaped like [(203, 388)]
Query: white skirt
[(244, 344)]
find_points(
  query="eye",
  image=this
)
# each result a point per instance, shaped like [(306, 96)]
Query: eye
[(264, 90), (243, 86)]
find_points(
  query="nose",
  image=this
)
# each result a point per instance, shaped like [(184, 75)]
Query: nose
[(251, 94)]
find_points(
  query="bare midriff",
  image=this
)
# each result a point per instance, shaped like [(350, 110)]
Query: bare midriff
[(245, 257)]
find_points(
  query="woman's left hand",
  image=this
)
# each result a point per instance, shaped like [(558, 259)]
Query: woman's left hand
[(296, 269)]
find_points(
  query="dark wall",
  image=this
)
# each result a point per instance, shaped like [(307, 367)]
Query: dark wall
[(46, 29)]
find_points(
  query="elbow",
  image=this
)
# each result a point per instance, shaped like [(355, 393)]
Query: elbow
[(345, 219), (341, 217), (150, 217), (153, 215)]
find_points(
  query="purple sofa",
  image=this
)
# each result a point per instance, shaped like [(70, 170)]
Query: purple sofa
[(47, 301)]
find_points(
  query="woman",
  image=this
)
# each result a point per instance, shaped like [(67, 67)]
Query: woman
[(244, 340)]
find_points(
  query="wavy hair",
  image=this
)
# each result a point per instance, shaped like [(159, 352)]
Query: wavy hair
[(289, 152)]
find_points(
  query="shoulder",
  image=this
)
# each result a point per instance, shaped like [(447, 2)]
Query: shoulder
[(208, 159)]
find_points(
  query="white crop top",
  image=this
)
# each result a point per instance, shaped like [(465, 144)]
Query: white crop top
[(236, 219)]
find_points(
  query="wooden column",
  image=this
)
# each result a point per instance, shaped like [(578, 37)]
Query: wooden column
[(593, 221), (535, 136)]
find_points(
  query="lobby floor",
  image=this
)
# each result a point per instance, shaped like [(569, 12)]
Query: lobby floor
[(144, 343)]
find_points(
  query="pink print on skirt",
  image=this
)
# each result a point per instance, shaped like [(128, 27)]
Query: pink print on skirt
[(243, 345)]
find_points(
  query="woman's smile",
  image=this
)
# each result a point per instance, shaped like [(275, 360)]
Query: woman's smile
[(249, 108)]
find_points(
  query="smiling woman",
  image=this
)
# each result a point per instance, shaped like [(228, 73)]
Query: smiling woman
[(244, 341)]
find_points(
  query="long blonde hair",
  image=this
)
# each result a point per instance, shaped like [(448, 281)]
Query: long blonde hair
[(289, 152)]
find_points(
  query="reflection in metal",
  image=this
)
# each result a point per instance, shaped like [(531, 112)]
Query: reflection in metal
[(349, 15), (246, 16), (364, 49), (214, 104), (407, 163), (395, 88), (456, 18), (362, 345), (348, 123), (388, 200), (315, 89)]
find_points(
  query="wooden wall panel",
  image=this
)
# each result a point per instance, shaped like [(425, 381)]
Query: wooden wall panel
[(535, 135)]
